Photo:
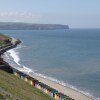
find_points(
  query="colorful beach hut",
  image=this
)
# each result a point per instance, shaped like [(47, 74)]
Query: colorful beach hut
[(56, 96), (19, 74), (32, 81), (15, 72), (23, 76), (41, 86), (26, 79), (52, 92), (61, 96)]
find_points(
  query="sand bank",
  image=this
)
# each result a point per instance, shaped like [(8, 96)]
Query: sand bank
[(63, 89)]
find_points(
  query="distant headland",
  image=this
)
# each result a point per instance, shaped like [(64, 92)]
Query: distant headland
[(30, 26)]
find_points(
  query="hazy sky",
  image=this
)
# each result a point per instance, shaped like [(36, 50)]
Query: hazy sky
[(75, 13)]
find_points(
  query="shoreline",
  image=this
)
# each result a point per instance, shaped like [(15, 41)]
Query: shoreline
[(63, 89), (74, 94)]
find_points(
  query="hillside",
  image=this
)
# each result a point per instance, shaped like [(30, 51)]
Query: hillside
[(4, 39), (30, 26), (12, 88)]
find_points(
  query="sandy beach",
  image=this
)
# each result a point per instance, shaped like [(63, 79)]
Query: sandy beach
[(63, 89)]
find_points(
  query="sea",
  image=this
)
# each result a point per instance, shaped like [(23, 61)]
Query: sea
[(70, 57)]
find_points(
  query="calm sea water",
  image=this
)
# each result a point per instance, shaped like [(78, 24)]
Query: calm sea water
[(71, 56)]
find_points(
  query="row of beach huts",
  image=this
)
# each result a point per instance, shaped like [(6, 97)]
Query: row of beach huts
[(41, 86)]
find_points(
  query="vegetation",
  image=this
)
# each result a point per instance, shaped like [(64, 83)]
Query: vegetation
[(30, 26), (13, 88), (4, 39)]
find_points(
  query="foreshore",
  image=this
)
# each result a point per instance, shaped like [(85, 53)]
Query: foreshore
[(74, 94), (63, 89)]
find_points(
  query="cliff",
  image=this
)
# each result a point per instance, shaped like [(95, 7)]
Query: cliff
[(30, 26)]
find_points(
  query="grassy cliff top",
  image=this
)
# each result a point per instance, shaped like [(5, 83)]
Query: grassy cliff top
[(13, 88), (4, 39)]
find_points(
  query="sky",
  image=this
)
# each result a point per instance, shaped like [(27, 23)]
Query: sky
[(75, 13)]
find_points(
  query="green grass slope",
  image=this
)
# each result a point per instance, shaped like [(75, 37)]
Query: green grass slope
[(13, 88), (4, 39)]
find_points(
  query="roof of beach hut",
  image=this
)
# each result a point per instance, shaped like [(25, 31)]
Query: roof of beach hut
[(42, 84), (47, 87), (34, 79), (24, 75), (20, 72), (61, 94), (65, 96), (52, 89)]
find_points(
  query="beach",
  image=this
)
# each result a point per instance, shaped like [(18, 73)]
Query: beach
[(63, 89), (70, 59)]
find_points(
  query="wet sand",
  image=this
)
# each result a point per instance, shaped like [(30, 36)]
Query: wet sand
[(63, 89)]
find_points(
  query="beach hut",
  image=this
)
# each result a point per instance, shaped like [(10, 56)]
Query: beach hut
[(57, 96), (34, 81), (30, 80), (16, 73), (64, 97), (36, 84), (23, 76), (68, 98), (52, 92), (19, 74), (44, 88), (47, 92), (40, 87), (61, 96)]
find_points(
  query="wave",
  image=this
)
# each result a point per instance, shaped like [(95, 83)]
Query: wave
[(67, 85), (15, 55)]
